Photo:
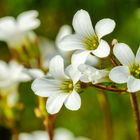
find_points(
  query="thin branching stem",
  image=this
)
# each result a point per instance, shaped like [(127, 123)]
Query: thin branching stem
[(106, 88), (103, 87)]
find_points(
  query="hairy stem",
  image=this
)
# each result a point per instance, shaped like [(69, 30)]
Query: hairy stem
[(105, 88), (119, 91), (134, 105), (107, 115)]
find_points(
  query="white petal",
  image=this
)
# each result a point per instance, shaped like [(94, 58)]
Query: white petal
[(7, 24), (7, 28), (73, 73), (28, 20), (92, 60), (70, 43), (46, 44), (119, 74), (137, 60), (4, 69), (124, 54), (104, 27), (84, 78), (17, 72), (73, 102), (56, 67), (45, 87), (40, 135), (25, 136), (133, 84), (103, 49), (24, 77), (63, 134), (64, 31), (54, 103), (82, 23), (79, 57), (34, 73), (91, 74)]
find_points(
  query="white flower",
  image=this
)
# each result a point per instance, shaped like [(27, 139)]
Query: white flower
[(52, 46), (59, 89), (11, 74), (129, 72), (14, 32), (91, 74), (86, 40), (59, 134)]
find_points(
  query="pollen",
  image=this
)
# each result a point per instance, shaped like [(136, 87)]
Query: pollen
[(135, 71), (70, 85), (91, 43), (67, 86)]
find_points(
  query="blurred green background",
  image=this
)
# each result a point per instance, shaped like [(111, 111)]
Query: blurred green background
[(88, 121)]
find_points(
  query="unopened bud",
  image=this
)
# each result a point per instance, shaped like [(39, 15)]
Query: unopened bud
[(114, 42)]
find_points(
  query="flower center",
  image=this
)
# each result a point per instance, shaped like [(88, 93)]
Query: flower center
[(67, 86), (135, 71), (91, 43)]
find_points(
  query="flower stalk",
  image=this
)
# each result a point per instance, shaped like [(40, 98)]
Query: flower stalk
[(134, 105), (102, 98), (48, 120)]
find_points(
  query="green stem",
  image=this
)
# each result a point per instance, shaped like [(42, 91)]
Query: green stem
[(134, 105), (107, 115)]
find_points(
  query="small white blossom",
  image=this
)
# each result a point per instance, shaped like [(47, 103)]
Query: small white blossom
[(11, 74), (91, 74), (129, 72), (60, 89), (52, 46), (86, 40), (16, 31)]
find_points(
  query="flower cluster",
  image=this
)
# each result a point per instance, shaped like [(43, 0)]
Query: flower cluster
[(85, 48), (61, 70), (62, 86)]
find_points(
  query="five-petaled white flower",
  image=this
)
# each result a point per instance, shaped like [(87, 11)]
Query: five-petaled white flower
[(86, 40), (15, 32), (129, 72), (61, 88), (91, 74)]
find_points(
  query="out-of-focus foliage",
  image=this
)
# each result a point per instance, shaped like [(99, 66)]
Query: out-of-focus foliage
[(88, 121)]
